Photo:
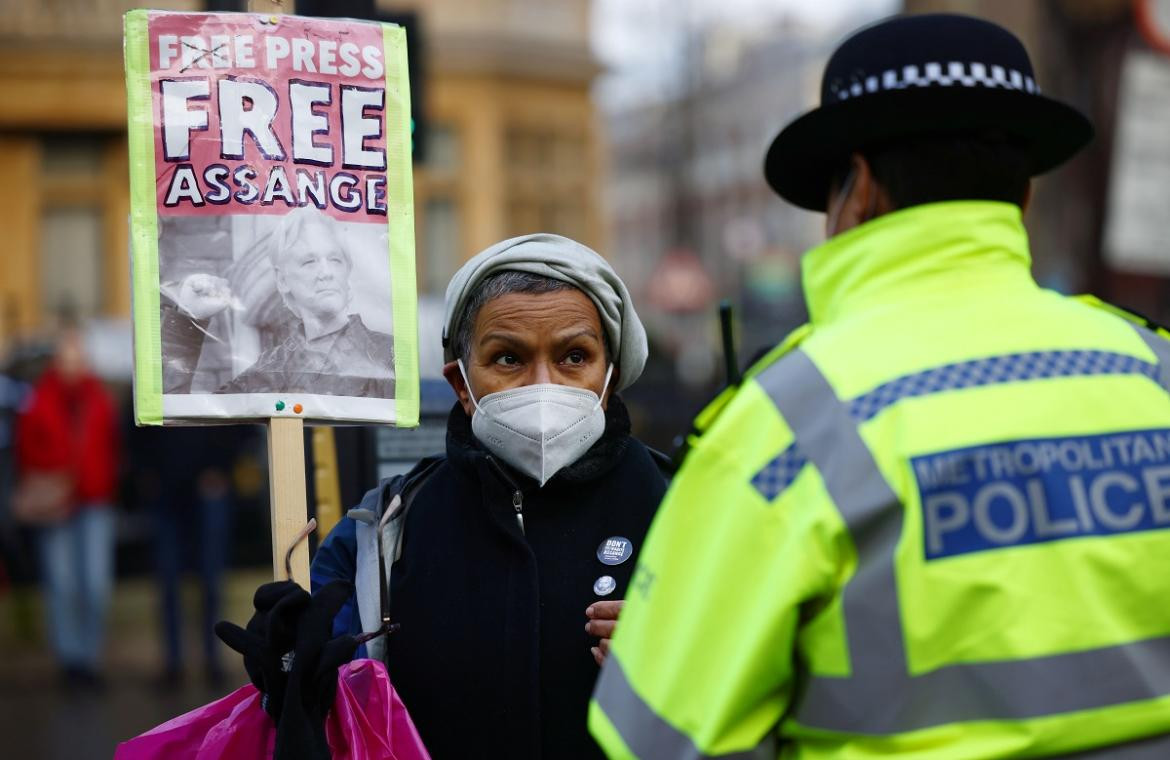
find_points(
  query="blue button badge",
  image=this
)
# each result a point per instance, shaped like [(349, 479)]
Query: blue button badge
[(615, 550)]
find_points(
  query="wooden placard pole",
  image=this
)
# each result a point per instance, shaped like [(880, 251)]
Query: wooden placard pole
[(286, 475), (286, 462)]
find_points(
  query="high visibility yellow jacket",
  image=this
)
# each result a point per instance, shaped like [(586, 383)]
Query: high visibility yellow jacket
[(933, 524)]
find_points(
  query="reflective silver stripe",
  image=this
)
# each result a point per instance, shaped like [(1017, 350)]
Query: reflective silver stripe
[(880, 697), (1161, 348), (827, 435), (646, 734), (1003, 690)]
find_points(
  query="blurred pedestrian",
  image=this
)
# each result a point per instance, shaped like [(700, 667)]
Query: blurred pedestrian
[(184, 475), (67, 464)]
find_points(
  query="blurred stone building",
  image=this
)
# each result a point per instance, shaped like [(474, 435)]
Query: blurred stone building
[(687, 197), (687, 201), (1080, 49), (512, 145)]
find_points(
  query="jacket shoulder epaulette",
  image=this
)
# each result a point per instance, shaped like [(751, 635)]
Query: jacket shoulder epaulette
[(1128, 315)]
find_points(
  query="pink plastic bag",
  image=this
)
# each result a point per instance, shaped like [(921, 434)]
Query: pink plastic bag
[(368, 722)]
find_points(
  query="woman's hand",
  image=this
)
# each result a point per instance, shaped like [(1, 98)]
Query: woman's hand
[(602, 623)]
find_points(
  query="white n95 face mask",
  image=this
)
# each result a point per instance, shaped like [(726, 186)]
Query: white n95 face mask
[(538, 429)]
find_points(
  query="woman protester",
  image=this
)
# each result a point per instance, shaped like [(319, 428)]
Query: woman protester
[(505, 561)]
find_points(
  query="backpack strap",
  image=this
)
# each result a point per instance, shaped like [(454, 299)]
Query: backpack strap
[(393, 521), (366, 561), (392, 530), (382, 513)]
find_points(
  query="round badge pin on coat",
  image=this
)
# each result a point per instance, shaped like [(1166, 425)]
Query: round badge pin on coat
[(604, 585), (615, 550)]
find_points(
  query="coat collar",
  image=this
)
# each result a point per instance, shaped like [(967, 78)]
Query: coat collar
[(936, 247)]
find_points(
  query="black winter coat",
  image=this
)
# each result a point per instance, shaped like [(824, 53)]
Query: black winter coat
[(492, 658)]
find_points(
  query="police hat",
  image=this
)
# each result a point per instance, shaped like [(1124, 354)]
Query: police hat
[(915, 76)]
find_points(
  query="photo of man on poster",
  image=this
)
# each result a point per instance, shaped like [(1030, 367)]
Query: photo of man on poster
[(312, 335)]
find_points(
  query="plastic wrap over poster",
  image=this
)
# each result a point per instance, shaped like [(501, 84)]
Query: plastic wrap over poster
[(272, 225)]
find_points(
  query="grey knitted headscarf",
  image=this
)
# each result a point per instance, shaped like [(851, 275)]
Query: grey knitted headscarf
[(568, 261)]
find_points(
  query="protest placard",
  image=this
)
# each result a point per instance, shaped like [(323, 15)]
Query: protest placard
[(272, 232), (272, 224)]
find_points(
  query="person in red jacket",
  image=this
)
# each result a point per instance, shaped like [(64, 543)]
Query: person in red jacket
[(69, 427)]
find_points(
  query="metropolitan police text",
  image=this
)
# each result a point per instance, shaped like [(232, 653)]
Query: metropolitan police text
[(1023, 492)]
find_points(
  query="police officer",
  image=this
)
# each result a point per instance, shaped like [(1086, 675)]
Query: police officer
[(932, 523)]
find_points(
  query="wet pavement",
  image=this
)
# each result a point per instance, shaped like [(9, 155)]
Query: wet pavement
[(43, 718)]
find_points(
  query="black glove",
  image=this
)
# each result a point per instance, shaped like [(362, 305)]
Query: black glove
[(268, 638), (312, 680)]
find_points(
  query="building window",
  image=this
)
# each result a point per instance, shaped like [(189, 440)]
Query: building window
[(71, 262), (442, 149), (440, 243), (72, 227), (546, 181)]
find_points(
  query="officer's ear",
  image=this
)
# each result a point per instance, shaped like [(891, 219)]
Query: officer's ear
[(857, 199), (455, 379)]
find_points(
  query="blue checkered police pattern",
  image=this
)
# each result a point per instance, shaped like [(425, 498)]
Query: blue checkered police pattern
[(995, 370), (936, 74), (779, 473)]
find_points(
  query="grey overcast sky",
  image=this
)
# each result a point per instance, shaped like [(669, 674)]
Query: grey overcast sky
[(639, 41)]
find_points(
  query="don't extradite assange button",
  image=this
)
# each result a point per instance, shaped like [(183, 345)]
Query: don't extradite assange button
[(615, 550)]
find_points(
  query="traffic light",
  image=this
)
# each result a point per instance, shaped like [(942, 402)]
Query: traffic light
[(414, 65)]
